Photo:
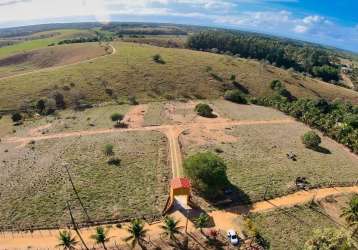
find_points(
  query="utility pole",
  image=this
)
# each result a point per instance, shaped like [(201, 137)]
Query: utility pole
[(75, 226), (78, 197)]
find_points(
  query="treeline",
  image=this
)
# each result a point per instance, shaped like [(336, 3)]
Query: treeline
[(303, 58), (99, 37), (337, 119)]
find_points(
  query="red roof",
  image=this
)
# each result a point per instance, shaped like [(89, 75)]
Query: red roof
[(180, 183)]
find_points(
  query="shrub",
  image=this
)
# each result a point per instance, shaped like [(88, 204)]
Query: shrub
[(204, 110), (158, 59), (329, 238), (326, 72), (132, 100), (235, 96), (59, 99), (116, 117), (276, 85), (207, 173), (311, 139), (108, 149), (41, 106), (16, 117)]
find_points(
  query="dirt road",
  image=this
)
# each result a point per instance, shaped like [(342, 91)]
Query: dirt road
[(224, 220), (114, 51)]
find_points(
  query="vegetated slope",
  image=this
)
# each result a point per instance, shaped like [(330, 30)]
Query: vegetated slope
[(185, 74), (41, 40), (49, 57)]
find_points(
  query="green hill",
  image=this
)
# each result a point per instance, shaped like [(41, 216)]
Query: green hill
[(184, 74)]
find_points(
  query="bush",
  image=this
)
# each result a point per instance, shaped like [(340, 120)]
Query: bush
[(276, 85), (16, 117), (108, 149), (158, 59), (311, 139), (116, 117), (59, 99), (235, 96), (207, 173), (132, 100), (326, 72), (204, 110)]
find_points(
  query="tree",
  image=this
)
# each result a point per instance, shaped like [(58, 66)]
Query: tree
[(329, 239), (100, 237), (276, 85), (202, 221), (137, 233), (171, 228), (235, 96), (16, 117), (350, 213), (67, 242), (158, 59), (41, 106), (311, 140), (116, 117), (207, 172), (108, 149), (326, 72), (204, 110), (59, 99)]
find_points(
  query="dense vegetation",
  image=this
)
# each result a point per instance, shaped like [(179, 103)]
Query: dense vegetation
[(315, 61), (207, 173), (337, 119)]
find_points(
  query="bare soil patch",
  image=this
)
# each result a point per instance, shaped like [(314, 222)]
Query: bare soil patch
[(135, 116)]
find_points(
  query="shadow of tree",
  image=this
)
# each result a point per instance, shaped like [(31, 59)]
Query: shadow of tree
[(322, 150)]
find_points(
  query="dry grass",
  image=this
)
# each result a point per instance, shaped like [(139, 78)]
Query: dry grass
[(34, 186), (290, 228), (258, 155), (184, 75)]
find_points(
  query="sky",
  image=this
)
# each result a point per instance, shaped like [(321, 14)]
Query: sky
[(328, 22)]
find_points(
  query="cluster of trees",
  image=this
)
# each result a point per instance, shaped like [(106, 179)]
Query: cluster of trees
[(309, 59), (337, 119), (79, 40)]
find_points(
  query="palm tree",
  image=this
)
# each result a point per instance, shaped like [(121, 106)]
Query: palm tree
[(67, 242), (351, 212), (201, 221), (171, 228), (137, 233), (100, 237)]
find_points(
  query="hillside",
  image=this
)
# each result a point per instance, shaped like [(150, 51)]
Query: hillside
[(49, 57), (185, 74)]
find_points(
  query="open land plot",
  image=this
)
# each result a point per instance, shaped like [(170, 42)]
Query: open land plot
[(185, 74), (256, 157), (42, 40), (290, 228), (34, 185), (49, 57), (69, 120)]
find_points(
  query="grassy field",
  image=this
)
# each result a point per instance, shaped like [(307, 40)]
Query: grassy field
[(33, 42), (49, 57), (256, 154), (186, 74), (290, 228), (34, 186)]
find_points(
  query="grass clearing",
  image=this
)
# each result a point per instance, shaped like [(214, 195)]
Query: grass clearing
[(34, 185), (290, 228), (132, 72), (256, 156)]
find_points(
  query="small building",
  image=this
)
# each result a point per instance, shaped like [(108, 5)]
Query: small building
[(180, 192)]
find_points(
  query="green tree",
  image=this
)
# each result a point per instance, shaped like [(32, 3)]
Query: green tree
[(235, 96), (137, 233), (329, 239), (171, 228), (207, 172), (311, 139), (350, 213), (108, 149), (276, 85), (100, 237), (202, 221), (116, 117), (67, 242), (204, 110)]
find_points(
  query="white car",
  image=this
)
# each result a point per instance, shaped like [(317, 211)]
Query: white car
[(233, 238)]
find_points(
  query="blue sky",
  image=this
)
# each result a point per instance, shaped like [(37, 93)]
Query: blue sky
[(330, 22)]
